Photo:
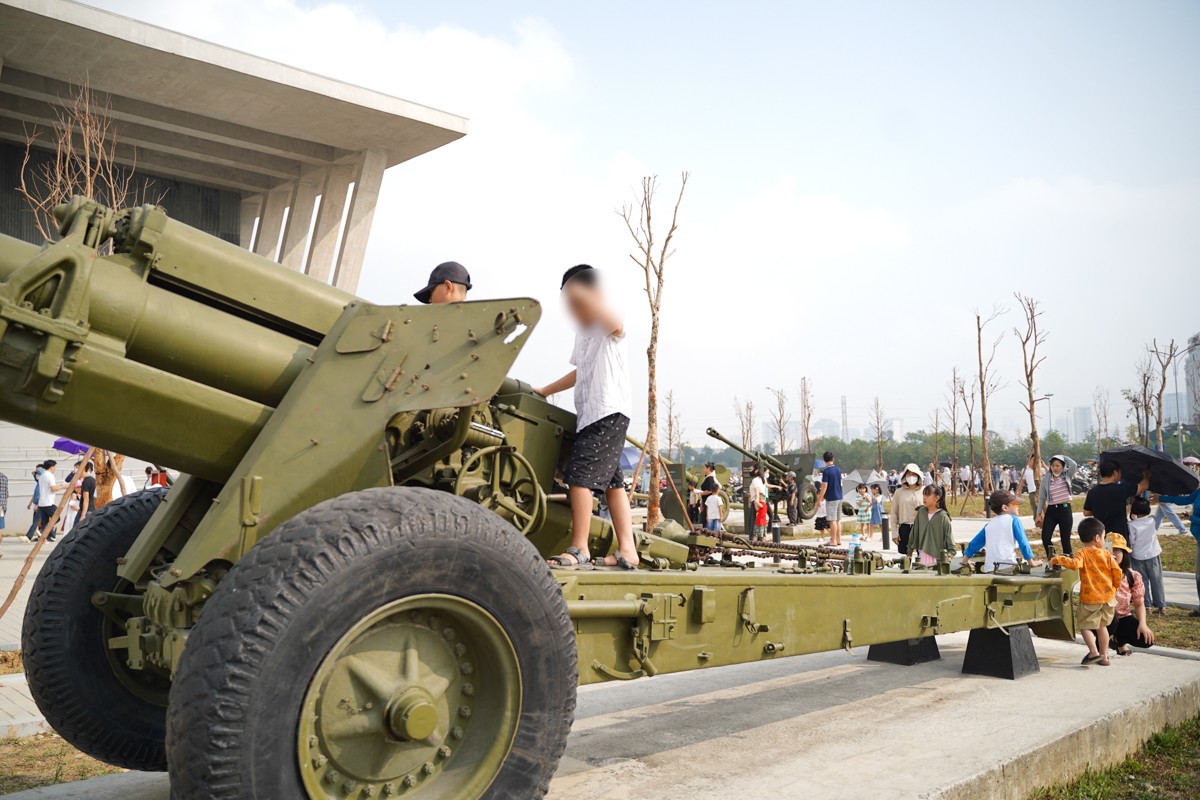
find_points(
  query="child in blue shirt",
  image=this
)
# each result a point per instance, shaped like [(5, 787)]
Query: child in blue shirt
[(1003, 535)]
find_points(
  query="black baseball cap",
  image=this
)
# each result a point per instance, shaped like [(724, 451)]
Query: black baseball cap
[(448, 271)]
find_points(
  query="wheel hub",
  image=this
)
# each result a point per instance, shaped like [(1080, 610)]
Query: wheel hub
[(412, 715), (411, 689)]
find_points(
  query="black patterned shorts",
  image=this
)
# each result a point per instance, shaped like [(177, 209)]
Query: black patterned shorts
[(595, 461)]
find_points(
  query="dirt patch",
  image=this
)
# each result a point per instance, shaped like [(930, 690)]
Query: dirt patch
[(44, 760), (10, 662)]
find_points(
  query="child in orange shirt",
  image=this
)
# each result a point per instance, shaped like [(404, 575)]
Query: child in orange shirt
[(1099, 578)]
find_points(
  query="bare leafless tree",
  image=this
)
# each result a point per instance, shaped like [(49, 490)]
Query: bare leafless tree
[(806, 414), (936, 467), (1163, 359), (1100, 404), (1031, 337), (674, 430), (952, 411), (968, 405), (651, 256), (745, 417), (988, 384), (1141, 397), (878, 423), (781, 419), (83, 141)]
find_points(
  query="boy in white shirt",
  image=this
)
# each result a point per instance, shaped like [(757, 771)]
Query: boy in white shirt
[(712, 509), (603, 404), (1146, 557)]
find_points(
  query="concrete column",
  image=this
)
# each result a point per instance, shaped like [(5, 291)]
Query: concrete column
[(251, 205), (329, 221), (358, 220), (299, 221), (266, 242)]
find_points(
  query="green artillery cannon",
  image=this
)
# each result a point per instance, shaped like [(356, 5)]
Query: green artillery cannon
[(800, 464), (345, 595)]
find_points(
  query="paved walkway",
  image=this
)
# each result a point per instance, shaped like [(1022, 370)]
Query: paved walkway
[(833, 726), (14, 550)]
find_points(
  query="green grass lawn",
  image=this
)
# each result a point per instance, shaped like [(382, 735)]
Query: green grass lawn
[(1166, 768)]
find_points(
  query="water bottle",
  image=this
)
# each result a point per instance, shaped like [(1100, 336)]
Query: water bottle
[(853, 547)]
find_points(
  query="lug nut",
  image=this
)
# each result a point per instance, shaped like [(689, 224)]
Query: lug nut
[(428, 768), (456, 732), (468, 689), (444, 752)]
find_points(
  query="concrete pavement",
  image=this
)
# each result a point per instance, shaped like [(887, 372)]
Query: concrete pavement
[(834, 726)]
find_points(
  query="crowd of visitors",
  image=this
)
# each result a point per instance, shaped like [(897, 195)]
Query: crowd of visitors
[(80, 483)]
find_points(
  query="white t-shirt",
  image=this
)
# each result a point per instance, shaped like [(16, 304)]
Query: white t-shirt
[(965, 474), (758, 489), (712, 504), (1030, 482), (1143, 538), (601, 377), (46, 497)]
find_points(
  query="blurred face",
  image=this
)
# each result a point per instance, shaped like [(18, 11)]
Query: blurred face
[(448, 292), (582, 303), (929, 499), (1119, 555), (1056, 467)]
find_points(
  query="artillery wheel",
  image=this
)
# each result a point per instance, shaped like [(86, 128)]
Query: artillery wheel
[(91, 699), (389, 642), (808, 501)]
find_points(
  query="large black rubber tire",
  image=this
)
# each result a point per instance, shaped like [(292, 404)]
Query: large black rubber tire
[(67, 662), (236, 699)]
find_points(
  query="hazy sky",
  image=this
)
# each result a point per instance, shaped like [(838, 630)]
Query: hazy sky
[(863, 176)]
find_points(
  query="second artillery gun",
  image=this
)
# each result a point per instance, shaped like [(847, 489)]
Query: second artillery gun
[(797, 463), (345, 596)]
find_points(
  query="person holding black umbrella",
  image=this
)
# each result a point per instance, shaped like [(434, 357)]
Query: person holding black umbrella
[(1108, 501), (1193, 500)]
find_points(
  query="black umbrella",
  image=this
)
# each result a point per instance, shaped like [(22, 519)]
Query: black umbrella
[(1167, 476), (947, 464)]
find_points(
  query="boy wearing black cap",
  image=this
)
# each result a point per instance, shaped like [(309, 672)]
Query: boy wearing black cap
[(448, 283), (602, 408)]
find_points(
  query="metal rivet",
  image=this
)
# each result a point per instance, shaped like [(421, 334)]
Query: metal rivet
[(444, 752), (428, 768), (410, 781), (464, 711), (460, 649), (468, 689), (450, 634), (319, 762), (456, 732), (467, 667)]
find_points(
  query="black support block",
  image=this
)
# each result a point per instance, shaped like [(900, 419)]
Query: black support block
[(993, 653), (906, 652)]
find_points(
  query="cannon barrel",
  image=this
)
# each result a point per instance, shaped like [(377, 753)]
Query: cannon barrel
[(176, 347), (756, 455)]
